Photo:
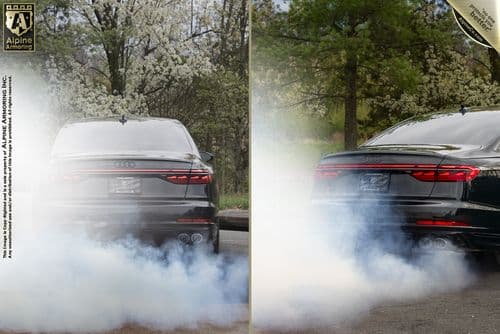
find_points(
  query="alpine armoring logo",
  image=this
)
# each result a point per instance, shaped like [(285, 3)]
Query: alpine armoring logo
[(479, 20), (19, 27)]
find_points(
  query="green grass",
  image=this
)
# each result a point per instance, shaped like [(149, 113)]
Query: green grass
[(233, 201)]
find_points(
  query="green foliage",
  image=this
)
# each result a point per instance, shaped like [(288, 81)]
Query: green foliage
[(406, 57), (218, 121), (448, 83), (234, 201), (339, 50), (178, 59)]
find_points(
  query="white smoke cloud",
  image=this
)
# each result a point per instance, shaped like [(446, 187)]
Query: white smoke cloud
[(65, 281), (312, 274)]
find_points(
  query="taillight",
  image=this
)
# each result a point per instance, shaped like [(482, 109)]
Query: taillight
[(195, 176), (333, 170), (329, 174), (424, 172), (443, 223), (177, 176), (194, 220), (457, 173), (448, 173)]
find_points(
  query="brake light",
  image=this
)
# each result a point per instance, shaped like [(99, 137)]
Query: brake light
[(334, 170), (195, 176), (177, 176), (457, 173), (448, 173), (320, 174), (443, 223), (422, 172), (194, 220)]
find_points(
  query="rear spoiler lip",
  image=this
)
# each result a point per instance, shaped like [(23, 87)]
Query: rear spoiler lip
[(388, 152), (142, 171), (122, 157)]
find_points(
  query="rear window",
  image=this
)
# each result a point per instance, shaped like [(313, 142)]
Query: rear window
[(112, 137), (472, 128)]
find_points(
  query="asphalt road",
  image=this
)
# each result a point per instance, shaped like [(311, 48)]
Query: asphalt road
[(475, 309), (234, 242)]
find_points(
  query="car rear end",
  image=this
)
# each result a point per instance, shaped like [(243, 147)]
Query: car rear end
[(438, 195), (147, 184)]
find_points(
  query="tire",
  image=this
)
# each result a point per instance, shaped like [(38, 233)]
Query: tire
[(497, 258), (216, 243)]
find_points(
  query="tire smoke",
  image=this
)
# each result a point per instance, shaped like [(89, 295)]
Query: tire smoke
[(66, 281), (310, 273)]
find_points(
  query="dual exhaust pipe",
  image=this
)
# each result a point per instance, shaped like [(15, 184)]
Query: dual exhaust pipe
[(435, 243), (190, 238)]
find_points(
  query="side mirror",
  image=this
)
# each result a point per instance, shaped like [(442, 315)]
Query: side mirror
[(206, 156)]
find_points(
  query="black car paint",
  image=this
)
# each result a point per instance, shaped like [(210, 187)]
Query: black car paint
[(79, 187), (408, 200)]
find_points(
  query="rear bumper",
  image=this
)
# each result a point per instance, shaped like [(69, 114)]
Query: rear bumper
[(482, 235), (150, 221), (472, 240), (155, 234)]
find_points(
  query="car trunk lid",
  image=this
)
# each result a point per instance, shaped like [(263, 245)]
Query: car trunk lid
[(126, 177), (380, 174), (398, 173)]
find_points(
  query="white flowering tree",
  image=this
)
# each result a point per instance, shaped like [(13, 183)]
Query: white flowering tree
[(184, 59), (127, 50), (447, 83)]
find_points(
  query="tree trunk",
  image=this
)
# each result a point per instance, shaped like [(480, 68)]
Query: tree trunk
[(243, 45), (114, 46), (223, 35), (351, 122), (116, 80), (495, 65)]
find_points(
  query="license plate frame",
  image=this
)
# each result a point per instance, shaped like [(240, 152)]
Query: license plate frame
[(125, 185), (374, 182)]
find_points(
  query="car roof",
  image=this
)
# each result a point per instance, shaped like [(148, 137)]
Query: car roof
[(459, 110), (467, 112), (489, 108), (425, 128), (117, 118)]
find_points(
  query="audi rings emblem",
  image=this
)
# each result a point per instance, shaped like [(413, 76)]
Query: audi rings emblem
[(124, 164)]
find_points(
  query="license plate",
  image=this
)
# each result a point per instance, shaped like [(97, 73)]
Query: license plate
[(377, 182), (125, 185)]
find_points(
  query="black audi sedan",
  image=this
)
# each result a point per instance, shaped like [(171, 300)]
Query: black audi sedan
[(133, 176), (436, 176)]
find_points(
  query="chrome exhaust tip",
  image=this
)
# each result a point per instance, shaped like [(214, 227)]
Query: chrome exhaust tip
[(425, 243), (184, 237), (441, 243), (196, 238)]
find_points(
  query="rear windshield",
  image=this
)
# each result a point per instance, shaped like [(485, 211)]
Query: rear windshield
[(133, 137), (472, 128)]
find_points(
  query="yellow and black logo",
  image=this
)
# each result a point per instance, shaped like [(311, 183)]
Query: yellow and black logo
[(19, 27)]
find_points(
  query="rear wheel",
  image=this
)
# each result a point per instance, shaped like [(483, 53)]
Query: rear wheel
[(497, 257), (484, 261), (216, 242)]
